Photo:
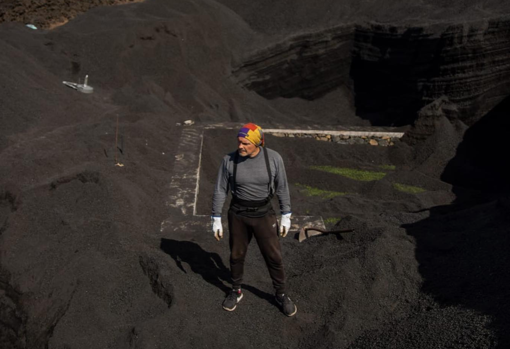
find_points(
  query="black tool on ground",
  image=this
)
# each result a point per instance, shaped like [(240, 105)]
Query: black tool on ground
[(305, 233)]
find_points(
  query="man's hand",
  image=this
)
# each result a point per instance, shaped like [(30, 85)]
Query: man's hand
[(285, 224), (217, 228)]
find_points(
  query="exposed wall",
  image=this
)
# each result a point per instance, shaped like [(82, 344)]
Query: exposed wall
[(305, 66), (393, 71)]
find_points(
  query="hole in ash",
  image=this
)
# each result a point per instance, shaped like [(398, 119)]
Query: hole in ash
[(159, 282)]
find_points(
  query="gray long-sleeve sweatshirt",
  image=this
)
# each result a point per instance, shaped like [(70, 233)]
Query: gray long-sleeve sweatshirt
[(252, 180)]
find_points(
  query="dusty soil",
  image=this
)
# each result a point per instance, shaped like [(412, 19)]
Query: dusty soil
[(84, 261)]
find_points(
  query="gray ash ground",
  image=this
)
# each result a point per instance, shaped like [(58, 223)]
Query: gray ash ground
[(85, 262)]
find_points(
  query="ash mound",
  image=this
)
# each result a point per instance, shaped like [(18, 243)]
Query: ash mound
[(94, 254)]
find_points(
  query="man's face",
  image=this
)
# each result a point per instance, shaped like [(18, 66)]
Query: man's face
[(245, 147)]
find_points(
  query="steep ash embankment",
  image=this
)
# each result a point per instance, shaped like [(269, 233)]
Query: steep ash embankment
[(83, 259), (461, 247)]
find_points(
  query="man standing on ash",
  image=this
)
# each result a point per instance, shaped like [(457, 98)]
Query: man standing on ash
[(253, 174)]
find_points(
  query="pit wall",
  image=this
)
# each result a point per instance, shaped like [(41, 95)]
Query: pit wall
[(383, 140), (392, 71)]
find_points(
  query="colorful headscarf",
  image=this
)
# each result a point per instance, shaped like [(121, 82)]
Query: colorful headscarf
[(253, 133)]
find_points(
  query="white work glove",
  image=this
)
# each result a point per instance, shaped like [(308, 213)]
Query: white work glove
[(217, 228), (285, 224)]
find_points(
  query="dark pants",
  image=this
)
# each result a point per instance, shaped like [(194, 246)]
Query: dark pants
[(265, 230)]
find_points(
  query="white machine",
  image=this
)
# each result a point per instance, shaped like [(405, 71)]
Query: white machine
[(85, 88)]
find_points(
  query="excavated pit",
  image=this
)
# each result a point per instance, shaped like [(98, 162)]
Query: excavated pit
[(391, 72)]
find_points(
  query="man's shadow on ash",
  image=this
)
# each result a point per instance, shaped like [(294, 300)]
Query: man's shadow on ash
[(209, 265)]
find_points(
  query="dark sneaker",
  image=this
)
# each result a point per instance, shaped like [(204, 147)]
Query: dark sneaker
[(234, 297), (286, 304)]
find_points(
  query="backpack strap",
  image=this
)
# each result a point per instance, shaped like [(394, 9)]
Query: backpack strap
[(268, 167), (236, 160)]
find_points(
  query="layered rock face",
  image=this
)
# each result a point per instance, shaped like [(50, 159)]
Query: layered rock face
[(393, 71), (306, 66)]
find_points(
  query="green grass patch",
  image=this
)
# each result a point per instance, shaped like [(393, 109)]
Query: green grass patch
[(408, 188), (332, 220), (311, 191), (388, 167), (358, 175)]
